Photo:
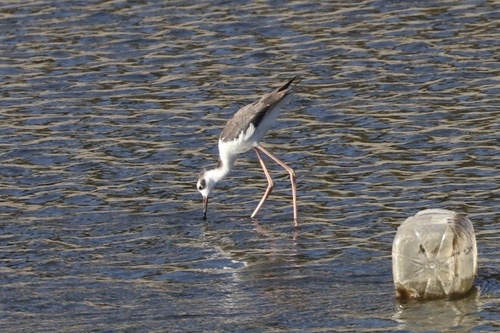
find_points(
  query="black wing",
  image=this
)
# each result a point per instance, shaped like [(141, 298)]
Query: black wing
[(254, 113)]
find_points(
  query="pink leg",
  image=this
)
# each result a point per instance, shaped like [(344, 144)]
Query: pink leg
[(270, 186)]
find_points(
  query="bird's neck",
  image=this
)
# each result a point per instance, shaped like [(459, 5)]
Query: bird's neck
[(220, 171)]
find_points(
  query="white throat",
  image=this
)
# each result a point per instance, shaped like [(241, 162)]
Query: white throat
[(217, 173)]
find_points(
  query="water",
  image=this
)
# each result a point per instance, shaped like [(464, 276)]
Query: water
[(109, 109)]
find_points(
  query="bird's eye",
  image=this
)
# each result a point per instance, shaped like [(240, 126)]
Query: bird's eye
[(202, 184)]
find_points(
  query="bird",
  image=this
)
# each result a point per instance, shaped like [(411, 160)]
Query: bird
[(242, 133)]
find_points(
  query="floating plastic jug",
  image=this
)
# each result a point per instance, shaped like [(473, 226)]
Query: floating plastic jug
[(434, 256)]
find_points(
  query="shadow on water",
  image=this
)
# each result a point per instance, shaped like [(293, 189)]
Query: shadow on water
[(458, 315)]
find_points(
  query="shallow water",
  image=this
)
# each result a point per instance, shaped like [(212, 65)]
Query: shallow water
[(109, 109)]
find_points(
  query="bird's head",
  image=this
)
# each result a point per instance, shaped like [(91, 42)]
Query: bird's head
[(205, 184)]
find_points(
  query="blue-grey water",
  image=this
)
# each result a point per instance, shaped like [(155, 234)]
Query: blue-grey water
[(109, 109)]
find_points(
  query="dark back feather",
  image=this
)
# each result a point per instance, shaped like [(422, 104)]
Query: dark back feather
[(255, 112)]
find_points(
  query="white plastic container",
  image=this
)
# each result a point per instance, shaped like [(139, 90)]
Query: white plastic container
[(434, 256)]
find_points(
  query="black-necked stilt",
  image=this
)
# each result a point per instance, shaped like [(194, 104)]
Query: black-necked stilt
[(244, 132)]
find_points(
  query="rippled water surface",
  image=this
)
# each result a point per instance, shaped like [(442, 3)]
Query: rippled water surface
[(109, 109)]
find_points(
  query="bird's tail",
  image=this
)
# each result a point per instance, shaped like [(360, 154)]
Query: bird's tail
[(286, 86)]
